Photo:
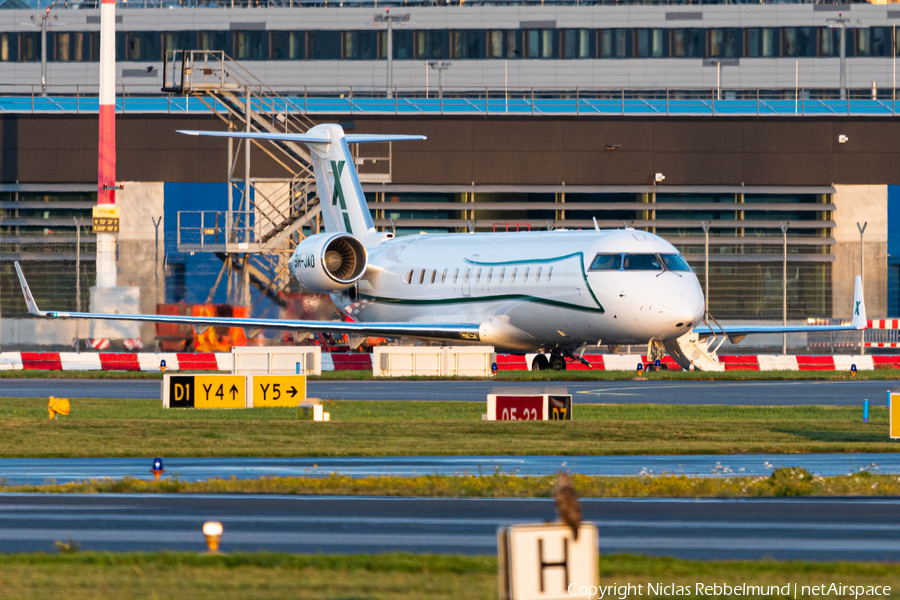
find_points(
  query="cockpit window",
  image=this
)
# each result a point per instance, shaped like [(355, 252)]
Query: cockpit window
[(607, 262), (642, 262), (675, 262)]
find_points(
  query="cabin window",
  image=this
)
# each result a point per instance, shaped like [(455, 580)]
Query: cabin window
[(408, 277), (477, 275), (433, 275), (549, 273), (607, 262), (642, 262), (502, 273), (525, 276), (675, 262), (455, 275), (422, 277), (512, 276), (537, 276), (490, 273), (466, 277), (444, 276)]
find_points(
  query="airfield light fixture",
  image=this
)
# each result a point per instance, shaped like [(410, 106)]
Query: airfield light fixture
[(212, 531)]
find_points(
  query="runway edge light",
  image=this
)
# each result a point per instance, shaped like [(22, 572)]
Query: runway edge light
[(157, 469), (212, 531)]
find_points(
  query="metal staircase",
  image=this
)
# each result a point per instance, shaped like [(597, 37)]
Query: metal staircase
[(256, 235)]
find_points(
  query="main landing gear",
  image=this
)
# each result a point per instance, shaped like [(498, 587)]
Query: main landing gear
[(554, 363)]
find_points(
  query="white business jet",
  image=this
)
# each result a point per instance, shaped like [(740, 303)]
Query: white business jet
[(546, 292)]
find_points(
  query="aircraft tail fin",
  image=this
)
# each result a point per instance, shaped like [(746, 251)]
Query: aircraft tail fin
[(859, 306), (29, 298), (344, 207)]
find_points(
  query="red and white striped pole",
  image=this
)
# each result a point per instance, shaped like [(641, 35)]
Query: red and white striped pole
[(106, 164)]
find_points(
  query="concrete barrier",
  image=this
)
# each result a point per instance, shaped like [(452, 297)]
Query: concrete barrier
[(276, 360), (405, 361)]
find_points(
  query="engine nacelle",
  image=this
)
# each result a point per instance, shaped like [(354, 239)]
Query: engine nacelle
[(329, 262)]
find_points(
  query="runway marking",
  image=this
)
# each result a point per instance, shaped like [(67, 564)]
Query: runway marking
[(681, 384)]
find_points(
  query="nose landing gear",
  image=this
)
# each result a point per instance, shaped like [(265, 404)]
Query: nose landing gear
[(555, 362)]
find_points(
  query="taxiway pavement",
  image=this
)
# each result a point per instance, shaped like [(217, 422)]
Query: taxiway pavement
[(813, 529), (835, 393)]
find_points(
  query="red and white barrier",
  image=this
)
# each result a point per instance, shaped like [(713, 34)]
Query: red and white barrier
[(186, 361)]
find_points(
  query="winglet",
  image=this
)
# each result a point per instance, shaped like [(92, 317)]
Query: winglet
[(859, 306), (29, 299)]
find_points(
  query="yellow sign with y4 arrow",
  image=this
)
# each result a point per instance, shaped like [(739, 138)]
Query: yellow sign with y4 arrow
[(220, 391), (278, 390)]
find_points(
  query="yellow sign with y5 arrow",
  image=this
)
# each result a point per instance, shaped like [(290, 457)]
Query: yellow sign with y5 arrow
[(278, 390)]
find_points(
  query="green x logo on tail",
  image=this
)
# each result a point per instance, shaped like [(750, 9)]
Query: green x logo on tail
[(856, 310), (338, 168)]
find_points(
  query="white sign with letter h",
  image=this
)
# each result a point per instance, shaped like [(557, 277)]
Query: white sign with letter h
[(544, 562)]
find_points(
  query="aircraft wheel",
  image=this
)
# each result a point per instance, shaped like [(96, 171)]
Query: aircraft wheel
[(557, 362), (540, 363)]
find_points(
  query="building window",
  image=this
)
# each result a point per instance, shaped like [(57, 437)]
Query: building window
[(178, 40), (324, 45), (29, 47), (504, 44), (724, 43), (798, 41), (687, 43), (251, 45), (468, 43), (361, 45), (432, 44), (578, 43), (288, 45), (761, 42), (8, 47), (651, 43), (211, 40), (542, 43), (615, 43), (143, 46)]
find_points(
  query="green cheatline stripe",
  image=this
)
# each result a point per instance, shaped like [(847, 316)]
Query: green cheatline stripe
[(525, 297), (579, 255)]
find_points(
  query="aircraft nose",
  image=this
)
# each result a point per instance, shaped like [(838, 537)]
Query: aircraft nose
[(685, 307)]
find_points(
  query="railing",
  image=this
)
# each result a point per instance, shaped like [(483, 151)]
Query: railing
[(217, 231), (250, 4), (351, 101)]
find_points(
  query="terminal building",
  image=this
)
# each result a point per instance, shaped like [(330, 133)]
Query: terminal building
[(738, 188)]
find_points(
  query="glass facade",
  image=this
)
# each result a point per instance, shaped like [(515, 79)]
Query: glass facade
[(464, 44)]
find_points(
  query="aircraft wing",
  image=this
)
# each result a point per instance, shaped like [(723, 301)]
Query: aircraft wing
[(444, 331), (737, 332)]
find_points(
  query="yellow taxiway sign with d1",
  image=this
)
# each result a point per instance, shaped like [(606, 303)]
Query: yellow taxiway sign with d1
[(278, 390), (220, 391)]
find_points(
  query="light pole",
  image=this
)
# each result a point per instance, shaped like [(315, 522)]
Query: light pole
[(705, 225), (43, 22), (841, 21), (784, 228), (390, 19), (440, 67), (156, 222), (862, 277)]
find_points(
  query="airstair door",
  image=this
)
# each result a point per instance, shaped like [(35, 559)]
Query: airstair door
[(468, 274)]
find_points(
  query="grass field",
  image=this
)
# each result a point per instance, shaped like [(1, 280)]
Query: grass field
[(783, 482), (875, 375), (103, 427), (396, 576)]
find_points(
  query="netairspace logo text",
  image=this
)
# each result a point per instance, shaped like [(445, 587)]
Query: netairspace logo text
[(789, 590)]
